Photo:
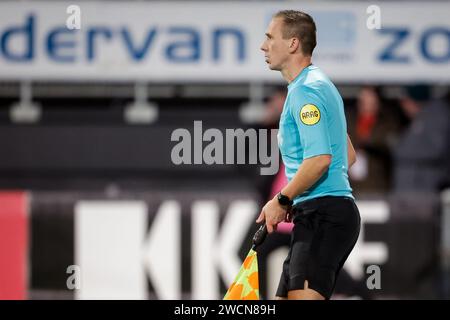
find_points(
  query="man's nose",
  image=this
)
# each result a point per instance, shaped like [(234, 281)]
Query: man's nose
[(263, 47)]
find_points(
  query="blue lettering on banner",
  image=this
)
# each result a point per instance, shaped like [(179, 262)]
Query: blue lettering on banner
[(425, 45), (181, 44), (54, 44), (27, 33), (92, 33), (138, 53), (399, 36), (219, 33), (175, 50)]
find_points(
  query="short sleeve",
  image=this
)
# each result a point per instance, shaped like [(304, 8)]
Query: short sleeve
[(311, 119)]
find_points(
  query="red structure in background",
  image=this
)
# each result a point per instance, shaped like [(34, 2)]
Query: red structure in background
[(13, 245)]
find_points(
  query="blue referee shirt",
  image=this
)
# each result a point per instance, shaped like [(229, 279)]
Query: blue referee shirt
[(313, 123)]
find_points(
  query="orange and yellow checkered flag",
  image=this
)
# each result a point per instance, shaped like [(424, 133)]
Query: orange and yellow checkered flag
[(246, 284)]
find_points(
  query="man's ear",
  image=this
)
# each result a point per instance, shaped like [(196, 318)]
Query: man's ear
[(294, 45)]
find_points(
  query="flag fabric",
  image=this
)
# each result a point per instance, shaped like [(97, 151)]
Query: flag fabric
[(246, 284)]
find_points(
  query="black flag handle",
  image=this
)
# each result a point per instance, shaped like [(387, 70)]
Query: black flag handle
[(259, 236)]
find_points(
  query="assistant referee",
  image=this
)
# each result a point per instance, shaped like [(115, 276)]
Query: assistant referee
[(317, 154)]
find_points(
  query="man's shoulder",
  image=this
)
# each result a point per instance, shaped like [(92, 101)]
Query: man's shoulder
[(314, 83), (306, 91), (317, 81)]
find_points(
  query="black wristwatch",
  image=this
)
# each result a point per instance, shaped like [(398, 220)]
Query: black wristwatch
[(284, 200)]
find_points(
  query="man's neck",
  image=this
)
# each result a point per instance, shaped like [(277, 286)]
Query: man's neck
[(292, 71)]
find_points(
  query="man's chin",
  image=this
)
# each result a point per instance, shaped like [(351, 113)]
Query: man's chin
[(272, 67)]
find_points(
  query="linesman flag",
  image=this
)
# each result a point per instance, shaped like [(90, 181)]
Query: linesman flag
[(246, 284)]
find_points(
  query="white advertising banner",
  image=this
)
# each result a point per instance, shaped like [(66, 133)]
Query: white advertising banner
[(218, 41)]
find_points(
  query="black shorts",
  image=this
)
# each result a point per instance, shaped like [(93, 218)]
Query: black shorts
[(325, 231)]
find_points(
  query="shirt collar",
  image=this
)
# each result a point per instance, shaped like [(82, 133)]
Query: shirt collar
[(300, 76)]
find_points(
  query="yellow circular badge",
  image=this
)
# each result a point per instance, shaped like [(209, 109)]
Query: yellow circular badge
[(309, 114)]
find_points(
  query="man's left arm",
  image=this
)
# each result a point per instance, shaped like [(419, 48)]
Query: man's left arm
[(309, 172)]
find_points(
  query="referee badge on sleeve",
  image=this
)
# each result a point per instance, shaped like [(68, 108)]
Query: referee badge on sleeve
[(309, 114)]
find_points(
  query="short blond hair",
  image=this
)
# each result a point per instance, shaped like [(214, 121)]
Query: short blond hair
[(300, 25)]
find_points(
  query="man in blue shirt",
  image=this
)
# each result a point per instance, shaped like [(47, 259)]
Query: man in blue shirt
[(317, 153)]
